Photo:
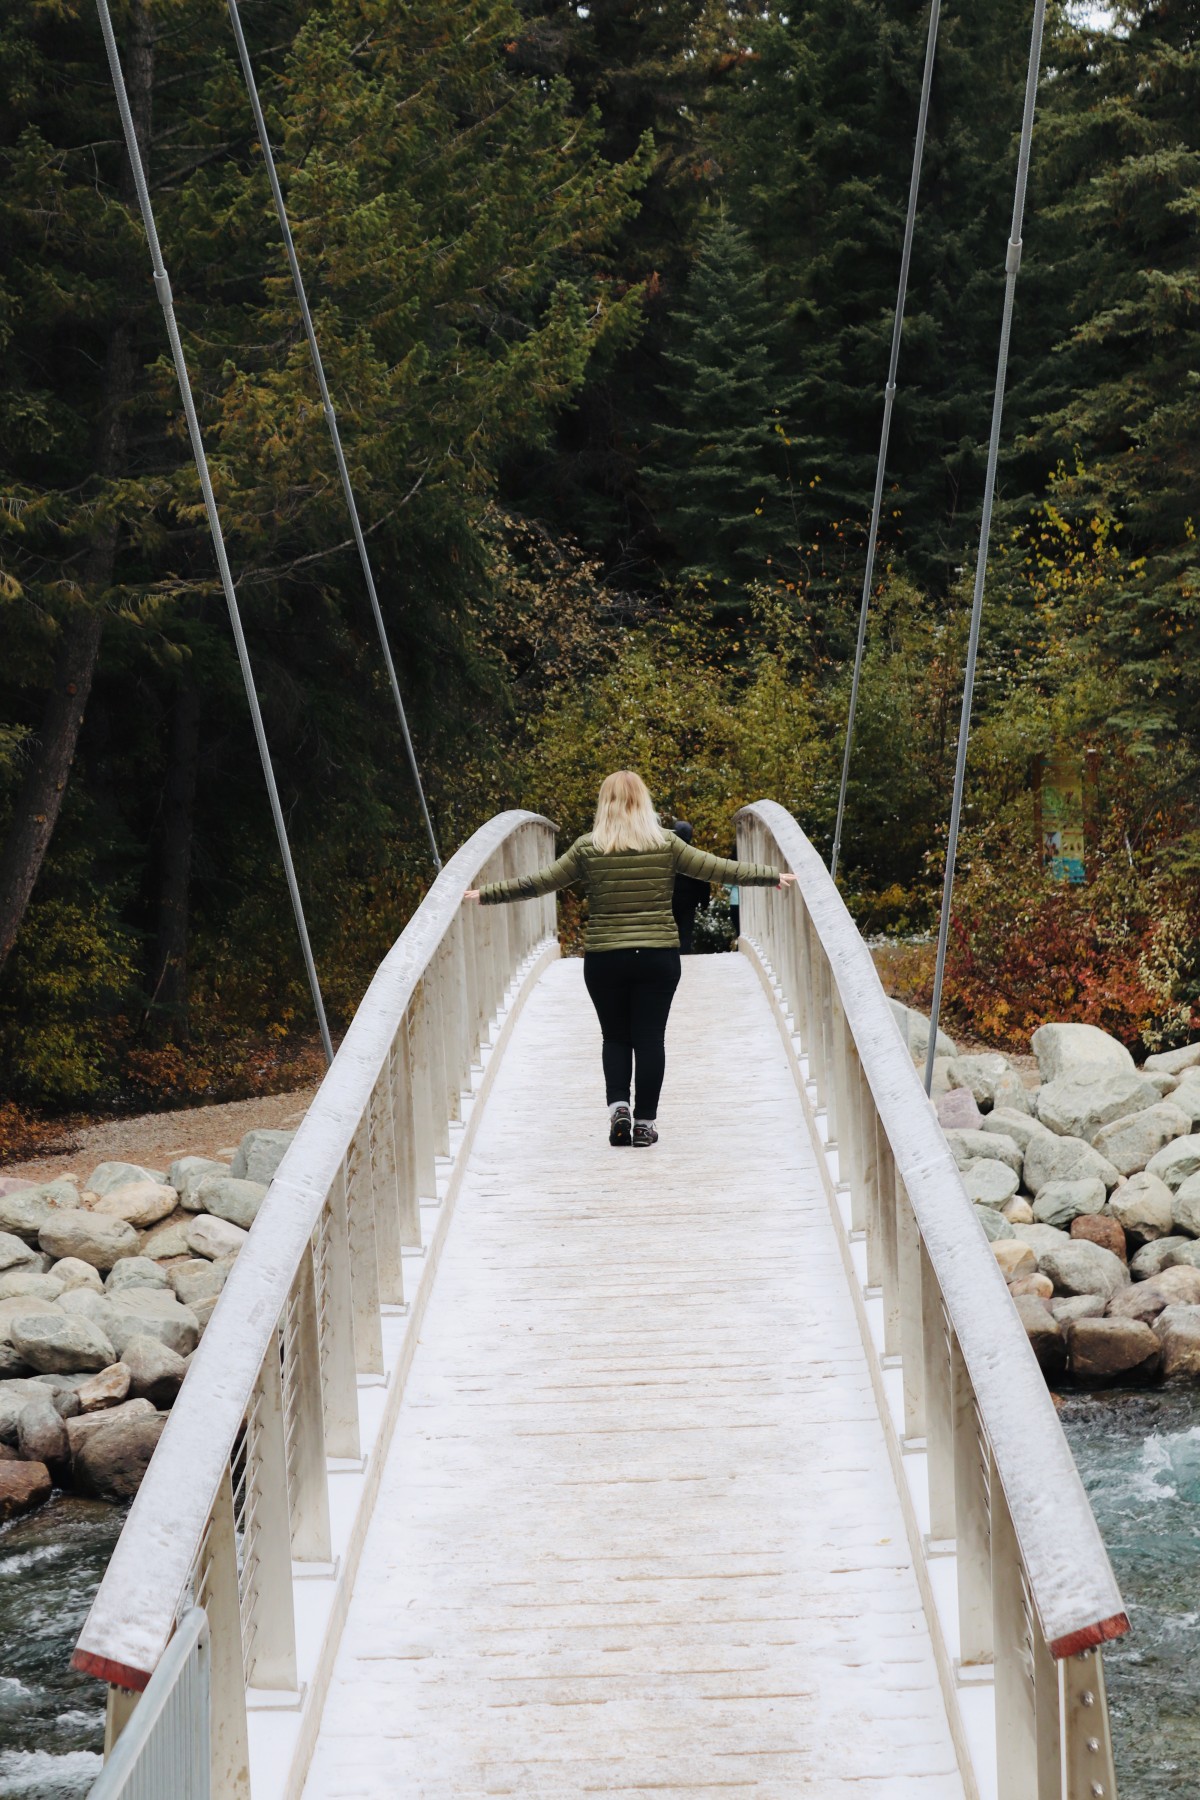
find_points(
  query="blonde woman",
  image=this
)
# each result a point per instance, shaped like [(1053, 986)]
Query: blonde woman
[(627, 866)]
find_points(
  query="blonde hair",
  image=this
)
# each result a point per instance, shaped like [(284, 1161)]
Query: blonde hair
[(625, 818)]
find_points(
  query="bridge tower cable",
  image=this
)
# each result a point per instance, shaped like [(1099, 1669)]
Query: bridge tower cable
[(1012, 264), (327, 408), (162, 287), (889, 397)]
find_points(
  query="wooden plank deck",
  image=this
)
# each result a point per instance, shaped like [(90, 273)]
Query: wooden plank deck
[(638, 1533)]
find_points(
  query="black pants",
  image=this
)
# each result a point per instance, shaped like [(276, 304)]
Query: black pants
[(632, 991)]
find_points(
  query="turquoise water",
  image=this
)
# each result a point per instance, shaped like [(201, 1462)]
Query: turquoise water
[(51, 1719), (1139, 1456)]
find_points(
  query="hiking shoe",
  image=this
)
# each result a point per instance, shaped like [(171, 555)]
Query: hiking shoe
[(620, 1127), (644, 1133)]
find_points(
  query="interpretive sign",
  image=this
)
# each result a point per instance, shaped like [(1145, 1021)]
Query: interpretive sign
[(1059, 787)]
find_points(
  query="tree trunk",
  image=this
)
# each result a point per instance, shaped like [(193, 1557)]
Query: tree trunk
[(40, 798), (170, 984)]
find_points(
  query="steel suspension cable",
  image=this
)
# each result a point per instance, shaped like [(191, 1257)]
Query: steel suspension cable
[(1012, 264), (889, 396), (310, 333), (162, 287)]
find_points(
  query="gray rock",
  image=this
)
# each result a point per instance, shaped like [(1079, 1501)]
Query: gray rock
[(142, 1312), (188, 1172), (15, 1253), (260, 1152), (1080, 1102), (1185, 1208), (1044, 1334), (107, 1389), (1179, 1282), (198, 1279), (26, 1211), (1061, 1048), (1061, 1201), (1144, 1301), (26, 1281), (989, 1182), (1151, 1259), (88, 1424), (1177, 1329), (73, 1273), (23, 1306), (109, 1175), (15, 1396), (135, 1272), (1018, 1210), (990, 1079), (1176, 1161), (23, 1485), (235, 1201), (42, 1436), (83, 1303), (214, 1238), (203, 1310), (1165, 1084), (1021, 1128), (1183, 1256), (1143, 1207), (1174, 1062), (93, 1239), (11, 1365), (1185, 1098), (1132, 1142), (155, 1373), (1078, 1306), (140, 1203), (1109, 1349), (1065, 1159), (993, 1222), (111, 1464), (1041, 1238), (1084, 1268), (956, 1110), (914, 1029), (970, 1146), (169, 1238), (62, 1343)]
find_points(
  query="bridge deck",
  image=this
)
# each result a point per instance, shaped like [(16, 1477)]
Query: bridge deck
[(638, 1532)]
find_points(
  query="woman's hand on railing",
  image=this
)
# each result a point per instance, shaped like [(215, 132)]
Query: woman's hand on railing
[(471, 894), (785, 881)]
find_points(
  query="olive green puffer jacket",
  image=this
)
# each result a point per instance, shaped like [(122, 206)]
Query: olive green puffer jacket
[(629, 891)]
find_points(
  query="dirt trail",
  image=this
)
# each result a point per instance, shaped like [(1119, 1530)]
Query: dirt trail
[(155, 1139)]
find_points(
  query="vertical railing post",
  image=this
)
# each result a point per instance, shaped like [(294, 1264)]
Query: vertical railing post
[(972, 1520), (267, 1603), (308, 1493), (1089, 1771), (403, 1078), (364, 1262), (420, 1050), (911, 1296), (1012, 1657), (339, 1383), (384, 1189), (889, 1258), (217, 1592)]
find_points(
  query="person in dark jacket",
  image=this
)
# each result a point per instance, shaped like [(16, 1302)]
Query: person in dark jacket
[(627, 865), (688, 896)]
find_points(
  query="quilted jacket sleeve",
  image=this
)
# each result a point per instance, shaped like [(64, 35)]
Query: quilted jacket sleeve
[(555, 875), (703, 867)]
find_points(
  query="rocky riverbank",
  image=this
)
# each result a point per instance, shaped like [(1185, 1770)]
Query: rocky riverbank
[(1087, 1185), (106, 1286)]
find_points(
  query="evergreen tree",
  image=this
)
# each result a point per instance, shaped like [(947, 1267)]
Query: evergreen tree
[(723, 459)]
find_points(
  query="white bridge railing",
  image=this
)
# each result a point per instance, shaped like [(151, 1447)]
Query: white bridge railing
[(256, 1500), (1016, 1581)]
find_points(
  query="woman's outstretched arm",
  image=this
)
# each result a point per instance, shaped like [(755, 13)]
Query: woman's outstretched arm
[(703, 867), (555, 875)]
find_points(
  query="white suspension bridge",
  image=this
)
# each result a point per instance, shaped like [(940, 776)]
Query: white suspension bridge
[(513, 1465)]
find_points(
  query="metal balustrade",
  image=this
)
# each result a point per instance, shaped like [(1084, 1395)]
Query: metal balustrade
[(992, 1497), (165, 1749), (235, 1509)]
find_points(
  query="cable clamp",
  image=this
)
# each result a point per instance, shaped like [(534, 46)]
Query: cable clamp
[(1012, 261), (162, 287), (890, 388), (329, 416)]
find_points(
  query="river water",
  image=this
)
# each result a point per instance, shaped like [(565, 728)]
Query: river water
[(1138, 1453)]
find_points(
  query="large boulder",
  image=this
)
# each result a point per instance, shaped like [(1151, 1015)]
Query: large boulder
[(63, 1343), (142, 1312), (1130, 1143), (1152, 1258), (25, 1211), (1078, 1103), (993, 1223), (227, 1198), (1144, 1301), (260, 1152), (990, 1079), (1061, 1049), (1039, 1284), (1185, 1208), (989, 1182), (15, 1253), (113, 1460), (108, 1175), (1096, 1228), (169, 1238), (140, 1203), (73, 1273), (23, 1485), (957, 1111), (1062, 1201), (88, 1236), (1044, 1334), (1185, 1098), (1041, 1238), (1109, 1349), (155, 1373), (23, 1306), (197, 1279), (42, 1436), (914, 1029), (29, 1281), (15, 1396), (1174, 1062), (1020, 1128), (79, 1430), (1069, 1307), (1143, 1207), (186, 1174), (84, 1303), (1183, 1255), (214, 1238), (1083, 1268), (972, 1146), (105, 1390), (1177, 1329), (1176, 1161), (1016, 1259), (135, 1272), (1065, 1159)]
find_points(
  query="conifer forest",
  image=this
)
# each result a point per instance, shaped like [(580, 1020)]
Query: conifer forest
[(605, 296)]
